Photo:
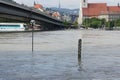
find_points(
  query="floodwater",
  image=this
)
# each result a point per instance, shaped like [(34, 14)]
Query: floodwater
[(55, 55)]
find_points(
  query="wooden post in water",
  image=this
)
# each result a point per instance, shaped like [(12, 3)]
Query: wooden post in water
[(79, 54), (79, 48)]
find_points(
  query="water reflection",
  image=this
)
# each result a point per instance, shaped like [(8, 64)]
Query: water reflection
[(32, 65), (79, 64)]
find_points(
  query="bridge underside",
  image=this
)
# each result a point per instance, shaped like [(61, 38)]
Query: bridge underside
[(44, 25), (17, 13)]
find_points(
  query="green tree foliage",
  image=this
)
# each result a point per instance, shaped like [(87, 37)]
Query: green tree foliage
[(99, 23), (103, 21), (93, 22), (65, 23), (86, 23), (110, 24), (117, 23), (75, 23), (107, 24)]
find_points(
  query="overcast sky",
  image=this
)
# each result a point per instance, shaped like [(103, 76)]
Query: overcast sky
[(72, 4)]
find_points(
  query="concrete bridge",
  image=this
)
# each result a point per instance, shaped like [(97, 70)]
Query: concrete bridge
[(15, 12)]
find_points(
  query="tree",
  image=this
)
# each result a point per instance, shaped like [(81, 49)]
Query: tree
[(117, 23), (93, 23), (75, 24), (65, 23), (103, 21), (86, 23), (110, 25)]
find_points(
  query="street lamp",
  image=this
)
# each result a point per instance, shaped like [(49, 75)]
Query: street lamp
[(32, 22)]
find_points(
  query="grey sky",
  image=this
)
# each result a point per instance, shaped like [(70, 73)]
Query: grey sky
[(64, 3)]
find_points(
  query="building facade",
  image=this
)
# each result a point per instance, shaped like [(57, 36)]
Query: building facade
[(100, 10)]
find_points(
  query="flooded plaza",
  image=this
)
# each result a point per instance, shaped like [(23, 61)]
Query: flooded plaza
[(55, 55)]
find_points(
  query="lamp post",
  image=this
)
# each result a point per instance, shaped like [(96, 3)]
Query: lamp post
[(32, 22)]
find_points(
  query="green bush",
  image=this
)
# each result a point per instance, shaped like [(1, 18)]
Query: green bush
[(93, 23)]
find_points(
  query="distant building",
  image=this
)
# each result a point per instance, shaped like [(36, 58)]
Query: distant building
[(101, 10), (94, 10), (56, 15), (74, 18), (38, 6), (66, 17)]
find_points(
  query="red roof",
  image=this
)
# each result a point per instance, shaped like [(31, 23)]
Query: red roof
[(56, 14), (113, 9), (37, 6), (94, 9)]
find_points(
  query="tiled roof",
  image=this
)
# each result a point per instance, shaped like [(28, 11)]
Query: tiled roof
[(56, 14), (37, 6), (94, 9), (113, 8)]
